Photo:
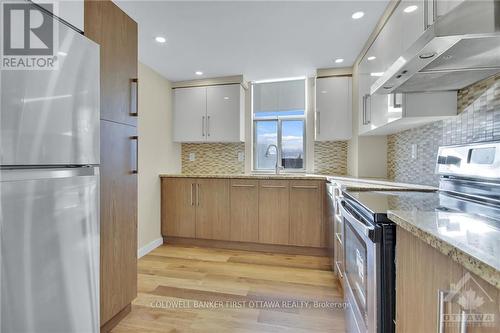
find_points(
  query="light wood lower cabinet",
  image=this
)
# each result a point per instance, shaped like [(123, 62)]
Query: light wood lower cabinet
[(178, 207), (195, 208), (421, 273), (278, 212), (212, 209), (245, 210), (306, 213), (274, 212)]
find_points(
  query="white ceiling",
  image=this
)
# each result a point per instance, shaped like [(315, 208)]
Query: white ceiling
[(259, 39)]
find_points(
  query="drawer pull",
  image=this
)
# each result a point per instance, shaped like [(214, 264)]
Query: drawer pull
[(305, 187), (273, 186), (242, 185)]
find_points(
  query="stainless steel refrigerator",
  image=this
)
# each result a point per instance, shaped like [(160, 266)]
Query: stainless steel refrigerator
[(49, 193)]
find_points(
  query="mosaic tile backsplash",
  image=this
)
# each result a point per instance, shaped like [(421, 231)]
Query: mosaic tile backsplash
[(222, 158), (330, 158), (212, 158), (478, 121)]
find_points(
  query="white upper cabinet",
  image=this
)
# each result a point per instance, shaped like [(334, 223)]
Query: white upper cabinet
[(70, 11), (225, 117), (333, 109), (209, 114), (443, 7), (190, 114), (394, 113), (382, 114)]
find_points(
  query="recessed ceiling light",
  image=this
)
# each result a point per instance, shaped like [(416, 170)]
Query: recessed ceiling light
[(226, 98), (198, 73), (410, 9), (358, 15), (339, 60), (372, 58), (377, 74), (160, 39), (62, 54)]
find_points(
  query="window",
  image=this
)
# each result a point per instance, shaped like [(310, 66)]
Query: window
[(279, 125)]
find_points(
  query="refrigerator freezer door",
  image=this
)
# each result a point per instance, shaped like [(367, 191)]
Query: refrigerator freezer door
[(51, 117), (49, 243)]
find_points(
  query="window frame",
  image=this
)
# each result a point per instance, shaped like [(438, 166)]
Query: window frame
[(279, 140)]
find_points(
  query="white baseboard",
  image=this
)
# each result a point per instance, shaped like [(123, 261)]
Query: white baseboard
[(149, 247)]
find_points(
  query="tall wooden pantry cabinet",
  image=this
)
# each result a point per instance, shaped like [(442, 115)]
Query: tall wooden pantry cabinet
[(116, 33)]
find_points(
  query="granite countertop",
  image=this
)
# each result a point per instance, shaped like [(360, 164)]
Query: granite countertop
[(470, 240), (344, 181), (299, 176), (376, 184)]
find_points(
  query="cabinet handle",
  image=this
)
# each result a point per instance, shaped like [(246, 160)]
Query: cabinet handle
[(368, 111), (202, 125), (305, 187), (134, 100), (318, 122), (434, 11), (197, 194), (440, 310), (364, 109), (208, 126), (136, 139), (242, 185), (463, 321), (426, 14), (366, 121), (427, 24), (192, 188), (339, 271), (273, 186)]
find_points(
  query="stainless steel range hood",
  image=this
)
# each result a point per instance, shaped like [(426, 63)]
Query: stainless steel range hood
[(459, 49)]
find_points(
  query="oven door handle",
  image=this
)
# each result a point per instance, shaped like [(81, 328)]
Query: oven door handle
[(360, 227)]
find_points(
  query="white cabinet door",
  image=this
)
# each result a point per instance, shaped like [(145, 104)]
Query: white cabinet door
[(445, 6), (70, 11), (412, 21), (225, 105), (190, 114), (333, 109)]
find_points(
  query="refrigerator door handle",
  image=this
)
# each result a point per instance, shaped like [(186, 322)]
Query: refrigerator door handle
[(11, 175)]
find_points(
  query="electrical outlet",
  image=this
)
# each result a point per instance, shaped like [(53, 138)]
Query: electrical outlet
[(241, 156), (192, 157), (414, 149)]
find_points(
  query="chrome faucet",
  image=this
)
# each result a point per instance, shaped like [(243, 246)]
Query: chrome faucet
[(278, 166)]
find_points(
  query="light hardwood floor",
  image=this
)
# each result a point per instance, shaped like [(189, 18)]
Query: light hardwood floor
[(193, 276)]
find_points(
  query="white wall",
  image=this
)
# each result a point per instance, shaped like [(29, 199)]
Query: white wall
[(157, 153)]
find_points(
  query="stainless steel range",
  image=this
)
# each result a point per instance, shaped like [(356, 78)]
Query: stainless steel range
[(469, 183)]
